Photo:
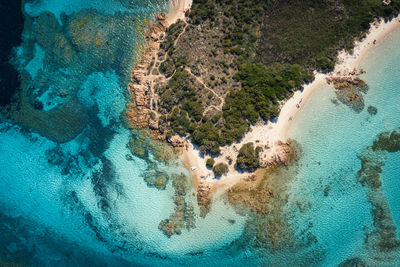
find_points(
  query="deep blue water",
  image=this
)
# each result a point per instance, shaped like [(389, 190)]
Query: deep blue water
[(11, 26), (70, 196)]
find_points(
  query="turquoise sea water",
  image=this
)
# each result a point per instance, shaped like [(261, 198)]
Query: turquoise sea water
[(81, 202), (332, 138)]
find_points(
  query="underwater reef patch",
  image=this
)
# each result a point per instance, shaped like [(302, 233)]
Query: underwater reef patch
[(83, 43), (160, 157), (183, 216), (350, 90), (382, 242), (352, 262), (263, 198)]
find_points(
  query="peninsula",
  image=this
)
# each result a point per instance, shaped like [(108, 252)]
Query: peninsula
[(223, 80)]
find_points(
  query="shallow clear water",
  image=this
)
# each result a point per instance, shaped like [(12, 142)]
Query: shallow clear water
[(332, 137), (81, 202)]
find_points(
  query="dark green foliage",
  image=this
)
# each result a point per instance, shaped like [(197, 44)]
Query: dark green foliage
[(180, 61), (173, 32), (220, 169), (245, 18), (324, 64), (307, 31), (301, 35), (210, 162), (167, 68), (248, 157), (202, 10), (207, 137), (178, 99), (180, 88), (241, 21), (179, 121), (262, 88)]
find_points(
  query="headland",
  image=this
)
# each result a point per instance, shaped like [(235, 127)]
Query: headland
[(165, 67)]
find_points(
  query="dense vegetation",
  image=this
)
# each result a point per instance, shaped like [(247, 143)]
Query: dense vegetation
[(248, 157), (310, 33), (220, 169), (210, 162), (172, 33), (241, 20), (275, 46), (262, 88)]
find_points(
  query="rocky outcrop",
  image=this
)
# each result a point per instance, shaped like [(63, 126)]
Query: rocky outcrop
[(349, 88), (204, 198), (177, 141), (142, 111), (342, 83), (284, 154), (138, 116)]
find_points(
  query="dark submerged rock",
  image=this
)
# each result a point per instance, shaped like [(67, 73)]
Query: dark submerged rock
[(372, 110)]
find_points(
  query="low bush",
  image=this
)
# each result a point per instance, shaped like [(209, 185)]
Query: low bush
[(248, 157), (220, 169), (210, 162)]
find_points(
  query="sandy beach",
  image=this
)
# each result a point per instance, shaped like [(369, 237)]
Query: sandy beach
[(267, 135), (178, 10)]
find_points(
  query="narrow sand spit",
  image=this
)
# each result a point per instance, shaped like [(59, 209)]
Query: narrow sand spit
[(268, 134)]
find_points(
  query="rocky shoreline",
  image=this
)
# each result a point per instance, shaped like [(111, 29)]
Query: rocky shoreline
[(141, 111), (141, 114)]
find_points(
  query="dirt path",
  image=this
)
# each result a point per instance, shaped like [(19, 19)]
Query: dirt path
[(203, 83), (183, 31)]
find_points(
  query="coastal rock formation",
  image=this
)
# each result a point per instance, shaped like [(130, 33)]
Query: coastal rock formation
[(285, 152), (349, 88), (141, 111), (204, 198), (248, 195), (177, 141), (255, 191), (342, 83)]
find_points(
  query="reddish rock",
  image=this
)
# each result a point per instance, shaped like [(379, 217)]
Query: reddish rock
[(177, 141), (204, 198), (160, 16)]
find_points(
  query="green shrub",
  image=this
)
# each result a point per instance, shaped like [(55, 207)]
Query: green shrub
[(324, 64), (305, 31), (210, 162), (220, 169), (167, 67), (299, 36), (248, 157), (180, 61)]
